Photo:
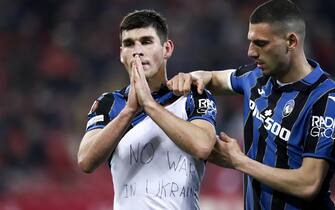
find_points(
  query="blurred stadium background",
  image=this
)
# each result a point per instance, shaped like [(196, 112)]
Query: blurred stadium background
[(57, 56)]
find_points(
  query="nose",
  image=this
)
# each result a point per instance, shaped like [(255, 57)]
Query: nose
[(252, 52), (138, 49)]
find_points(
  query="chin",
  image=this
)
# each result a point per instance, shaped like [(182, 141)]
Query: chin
[(266, 72), (148, 74)]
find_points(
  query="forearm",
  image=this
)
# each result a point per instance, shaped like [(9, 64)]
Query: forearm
[(217, 82), (303, 182), (189, 137), (96, 148)]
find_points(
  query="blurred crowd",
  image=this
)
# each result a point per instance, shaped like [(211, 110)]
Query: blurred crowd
[(58, 56)]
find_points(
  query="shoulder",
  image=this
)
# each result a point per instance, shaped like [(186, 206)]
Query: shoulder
[(200, 104), (244, 69), (206, 94), (105, 101)]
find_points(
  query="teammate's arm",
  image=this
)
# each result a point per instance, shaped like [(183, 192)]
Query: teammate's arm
[(217, 82), (304, 182)]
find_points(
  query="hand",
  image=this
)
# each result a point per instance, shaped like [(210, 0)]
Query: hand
[(132, 103), (226, 152), (140, 83), (181, 83)]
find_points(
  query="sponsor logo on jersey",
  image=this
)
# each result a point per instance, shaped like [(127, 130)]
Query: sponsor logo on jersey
[(323, 126), (288, 108), (205, 106), (269, 124)]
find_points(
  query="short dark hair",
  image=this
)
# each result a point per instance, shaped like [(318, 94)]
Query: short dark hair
[(282, 12), (143, 19)]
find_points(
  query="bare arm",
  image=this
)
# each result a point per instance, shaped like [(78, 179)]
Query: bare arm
[(218, 82), (98, 144), (196, 138), (304, 182)]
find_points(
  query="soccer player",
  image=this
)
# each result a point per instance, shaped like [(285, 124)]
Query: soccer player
[(155, 143), (289, 114)]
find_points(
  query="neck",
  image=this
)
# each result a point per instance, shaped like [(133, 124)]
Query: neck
[(298, 68), (157, 80)]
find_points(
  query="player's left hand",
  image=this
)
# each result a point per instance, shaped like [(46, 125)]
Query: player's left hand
[(226, 152), (143, 92)]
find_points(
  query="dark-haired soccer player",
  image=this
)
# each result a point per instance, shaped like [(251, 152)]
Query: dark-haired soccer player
[(289, 114), (156, 143)]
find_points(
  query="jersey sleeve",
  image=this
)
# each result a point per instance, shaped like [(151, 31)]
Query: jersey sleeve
[(238, 78), (98, 117), (201, 106), (320, 137)]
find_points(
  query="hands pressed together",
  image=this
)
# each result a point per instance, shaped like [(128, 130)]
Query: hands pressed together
[(139, 95)]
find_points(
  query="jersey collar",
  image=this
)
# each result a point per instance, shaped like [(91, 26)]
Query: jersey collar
[(306, 82), (162, 92)]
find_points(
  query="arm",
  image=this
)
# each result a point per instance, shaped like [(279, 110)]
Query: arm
[(218, 82), (196, 137), (98, 144), (304, 182)]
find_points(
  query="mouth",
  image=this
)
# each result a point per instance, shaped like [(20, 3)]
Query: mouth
[(145, 63), (260, 64)]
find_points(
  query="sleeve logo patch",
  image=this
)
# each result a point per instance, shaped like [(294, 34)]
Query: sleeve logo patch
[(205, 105)]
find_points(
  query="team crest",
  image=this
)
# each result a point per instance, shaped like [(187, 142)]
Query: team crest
[(288, 108)]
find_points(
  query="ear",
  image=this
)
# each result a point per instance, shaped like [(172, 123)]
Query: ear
[(292, 41), (168, 48), (121, 58)]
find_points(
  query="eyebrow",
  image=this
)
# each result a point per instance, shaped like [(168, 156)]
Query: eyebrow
[(141, 39)]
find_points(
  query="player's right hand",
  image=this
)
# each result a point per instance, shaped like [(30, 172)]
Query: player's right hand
[(181, 83), (132, 102)]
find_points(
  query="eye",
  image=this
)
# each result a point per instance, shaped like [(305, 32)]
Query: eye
[(147, 41), (127, 43), (261, 43)]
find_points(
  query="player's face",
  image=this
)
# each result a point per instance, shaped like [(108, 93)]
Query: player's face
[(268, 47), (145, 43)]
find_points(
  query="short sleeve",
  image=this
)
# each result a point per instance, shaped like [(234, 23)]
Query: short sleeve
[(320, 137), (238, 78), (201, 106), (98, 117)]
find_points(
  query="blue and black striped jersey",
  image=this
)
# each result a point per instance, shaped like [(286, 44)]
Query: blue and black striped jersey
[(282, 125)]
